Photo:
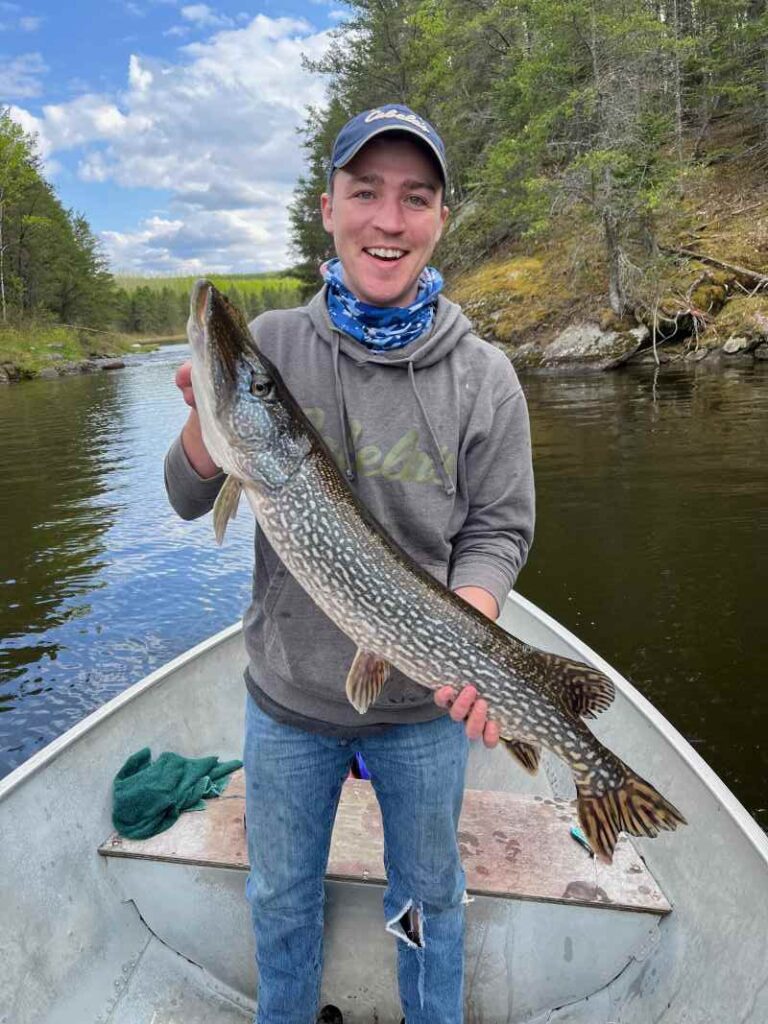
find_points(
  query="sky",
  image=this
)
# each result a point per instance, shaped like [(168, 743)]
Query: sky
[(171, 126)]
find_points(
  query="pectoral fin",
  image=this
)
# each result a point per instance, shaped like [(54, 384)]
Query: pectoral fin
[(225, 507), (528, 754), (366, 679)]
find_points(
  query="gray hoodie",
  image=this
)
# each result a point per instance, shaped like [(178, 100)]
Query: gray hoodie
[(434, 438)]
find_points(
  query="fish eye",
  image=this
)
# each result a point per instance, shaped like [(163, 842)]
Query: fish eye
[(262, 387)]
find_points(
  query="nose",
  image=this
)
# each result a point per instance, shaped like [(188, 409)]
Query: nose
[(389, 217)]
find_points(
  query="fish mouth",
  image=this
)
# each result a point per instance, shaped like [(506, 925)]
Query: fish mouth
[(200, 301), (218, 333)]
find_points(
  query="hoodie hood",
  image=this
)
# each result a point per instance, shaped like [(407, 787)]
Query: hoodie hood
[(448, 328)]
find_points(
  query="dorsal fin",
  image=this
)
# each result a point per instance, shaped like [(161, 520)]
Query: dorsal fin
[(585, 691)]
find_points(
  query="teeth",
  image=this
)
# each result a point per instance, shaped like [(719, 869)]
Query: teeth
[(387, 254)]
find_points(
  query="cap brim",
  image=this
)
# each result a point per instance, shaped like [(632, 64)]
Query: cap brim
[(398, 128)]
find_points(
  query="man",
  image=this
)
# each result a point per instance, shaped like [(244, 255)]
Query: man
[(430, 426)]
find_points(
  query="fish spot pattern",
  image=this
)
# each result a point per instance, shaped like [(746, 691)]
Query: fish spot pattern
[(370, 590)]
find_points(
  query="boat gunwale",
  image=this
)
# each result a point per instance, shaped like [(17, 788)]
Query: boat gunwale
[(51, 751)]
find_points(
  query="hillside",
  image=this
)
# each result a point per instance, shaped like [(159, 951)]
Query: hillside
[(528, 294)]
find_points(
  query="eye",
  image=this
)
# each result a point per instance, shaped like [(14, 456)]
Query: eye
[(262, 387), (418, 201)]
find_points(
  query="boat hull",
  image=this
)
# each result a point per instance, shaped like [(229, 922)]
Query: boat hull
[(75, 948)]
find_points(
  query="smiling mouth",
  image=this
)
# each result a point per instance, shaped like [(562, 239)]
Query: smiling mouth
[(385, 255)]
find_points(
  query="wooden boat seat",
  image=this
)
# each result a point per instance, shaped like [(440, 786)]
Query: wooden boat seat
[(513, 847)]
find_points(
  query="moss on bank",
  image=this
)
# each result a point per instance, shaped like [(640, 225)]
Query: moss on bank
[(529, 292)]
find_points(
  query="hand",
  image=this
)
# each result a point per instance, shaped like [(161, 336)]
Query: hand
[(472, 711), (191, 434), (184, 383)]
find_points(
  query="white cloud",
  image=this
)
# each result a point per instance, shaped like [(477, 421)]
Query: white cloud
[(205, 17), (29, 23), (20, 76), (138, 77), (216, 129), (212, 241)]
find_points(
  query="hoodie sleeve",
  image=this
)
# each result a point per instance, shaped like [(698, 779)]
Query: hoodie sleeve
[(492, 545), (190, 494)]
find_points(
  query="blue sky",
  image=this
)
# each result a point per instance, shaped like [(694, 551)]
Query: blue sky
[(170, 125)]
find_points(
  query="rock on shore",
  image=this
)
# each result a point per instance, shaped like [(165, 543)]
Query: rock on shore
[(10, 373)]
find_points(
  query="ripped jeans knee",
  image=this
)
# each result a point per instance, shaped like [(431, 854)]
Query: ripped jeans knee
[(430, 958), (408, 925)]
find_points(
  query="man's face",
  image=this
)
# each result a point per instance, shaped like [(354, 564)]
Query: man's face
[(386, 216)]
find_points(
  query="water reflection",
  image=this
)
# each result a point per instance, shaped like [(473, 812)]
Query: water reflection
[(650, 545), (101, 583)]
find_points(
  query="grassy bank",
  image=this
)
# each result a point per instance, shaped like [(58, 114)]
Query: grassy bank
[(28, 349)]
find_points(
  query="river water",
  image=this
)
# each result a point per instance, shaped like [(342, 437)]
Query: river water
[(651, 546)]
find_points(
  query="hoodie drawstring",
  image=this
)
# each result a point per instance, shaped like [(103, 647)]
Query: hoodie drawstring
[(437, 454), (347, 442)]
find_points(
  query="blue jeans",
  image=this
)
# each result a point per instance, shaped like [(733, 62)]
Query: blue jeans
[(293, 784)]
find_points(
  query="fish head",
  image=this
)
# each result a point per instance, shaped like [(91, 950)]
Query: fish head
[(247, 418)]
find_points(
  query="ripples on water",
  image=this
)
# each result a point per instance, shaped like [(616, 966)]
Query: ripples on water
[(650, 546), (101, 582)]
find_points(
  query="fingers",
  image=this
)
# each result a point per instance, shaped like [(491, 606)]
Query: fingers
[(471, 710), (184, 375), (491, 734), (476, 719), (183, 381), (444, 697)]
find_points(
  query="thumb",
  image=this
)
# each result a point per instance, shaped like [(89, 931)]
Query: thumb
[(184, 375)]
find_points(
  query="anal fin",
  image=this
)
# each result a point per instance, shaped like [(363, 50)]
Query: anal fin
[(225, 507), (527, 754), (365, 680)]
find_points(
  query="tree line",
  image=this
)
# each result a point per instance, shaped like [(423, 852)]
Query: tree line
[(52, 267), (548, 107), (50, 261), (159, 308)]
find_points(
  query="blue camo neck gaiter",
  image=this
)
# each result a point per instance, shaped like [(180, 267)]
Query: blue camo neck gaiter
[(381, 328)]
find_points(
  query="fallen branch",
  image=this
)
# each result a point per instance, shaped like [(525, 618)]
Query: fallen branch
[(92, 330), (752, 275)]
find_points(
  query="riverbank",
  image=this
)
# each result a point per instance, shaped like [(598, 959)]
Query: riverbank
[(53, 350), (545, 303)]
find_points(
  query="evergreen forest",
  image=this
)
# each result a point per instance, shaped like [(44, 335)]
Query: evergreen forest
[(599, 113)]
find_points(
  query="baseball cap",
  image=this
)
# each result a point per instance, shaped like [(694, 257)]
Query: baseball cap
[(387, 118)]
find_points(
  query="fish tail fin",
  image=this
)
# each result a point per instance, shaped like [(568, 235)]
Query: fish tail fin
[(633, 806)]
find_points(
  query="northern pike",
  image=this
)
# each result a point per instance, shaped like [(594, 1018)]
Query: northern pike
[(393, 610)]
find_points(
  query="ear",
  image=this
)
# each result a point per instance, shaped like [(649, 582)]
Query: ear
[(326, 209), (444, 215)]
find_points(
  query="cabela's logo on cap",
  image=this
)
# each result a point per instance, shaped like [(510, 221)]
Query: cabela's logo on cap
[(377, 115)]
